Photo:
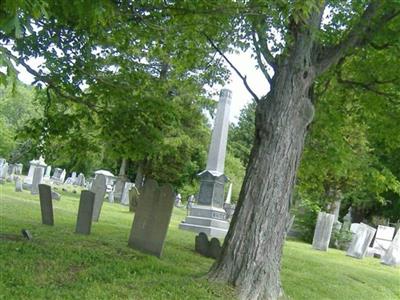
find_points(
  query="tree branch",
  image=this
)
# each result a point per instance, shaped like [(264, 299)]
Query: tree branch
[(259, 60), (369, 86), (263, 46), (244, 79), (48, 81), (362, 33)]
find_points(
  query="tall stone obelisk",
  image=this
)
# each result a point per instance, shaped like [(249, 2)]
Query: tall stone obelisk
[(208, 215)]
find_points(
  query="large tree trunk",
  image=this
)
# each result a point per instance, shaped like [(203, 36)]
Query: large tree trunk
[(253, 246)]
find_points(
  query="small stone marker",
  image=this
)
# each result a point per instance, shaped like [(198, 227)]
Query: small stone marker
[(392, 255), (36, 180), (207, 248), (99, 188), (85, 212), (152, 218), (323, 231), (46, 204), (55, 195), (26, 234), (201, 244), (360, 241), (18, 184)]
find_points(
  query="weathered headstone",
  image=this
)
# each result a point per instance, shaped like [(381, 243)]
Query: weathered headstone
[(18, 184), (392, 255), (125, 194), (85, 212), (347, 220), (37, 179), (55, 195), (4, 171), (47, 173), (133, 198), (201, 244), (18, 169), (99, 188), (26, 234), (80, 181), (152, 218), (46, 204), (360, 241), (33, 164), (354, 227), (323, 231), (383, 239), (215, 248), (111, 197)]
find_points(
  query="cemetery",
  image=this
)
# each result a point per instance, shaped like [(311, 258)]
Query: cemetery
[(223, 149)]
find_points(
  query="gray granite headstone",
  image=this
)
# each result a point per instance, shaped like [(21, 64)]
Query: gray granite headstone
[(392, 255), (323, 231), (201, 244), (360, 241), (152, 218), (85, 212), (99, 188), (46, 204), (18, 184), (37, 179)]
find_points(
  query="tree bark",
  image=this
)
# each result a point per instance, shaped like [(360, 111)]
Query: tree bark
[(252, 249)]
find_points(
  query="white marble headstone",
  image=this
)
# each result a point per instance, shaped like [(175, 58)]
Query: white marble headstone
[(361, 240), (392, 255)]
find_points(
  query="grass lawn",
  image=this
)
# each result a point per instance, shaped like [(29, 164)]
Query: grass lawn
[(58, 264)]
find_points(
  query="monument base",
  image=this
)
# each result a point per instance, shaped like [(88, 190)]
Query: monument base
[(207, 219)]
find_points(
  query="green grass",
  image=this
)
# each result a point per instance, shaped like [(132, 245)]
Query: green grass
[(58, 264)]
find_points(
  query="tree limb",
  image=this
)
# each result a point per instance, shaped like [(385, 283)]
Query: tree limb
[(244, 79), (259, 60), (369, 86), (48, 81), (362, 33)]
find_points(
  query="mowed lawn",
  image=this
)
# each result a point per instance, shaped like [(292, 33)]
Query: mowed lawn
[(59, 264)]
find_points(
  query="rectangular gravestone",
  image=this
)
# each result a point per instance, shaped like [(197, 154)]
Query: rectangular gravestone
[(46, 204), (85, 212), (36, 180), (392, 255), (99, 188), (323, 231), (360, 241), (152, 218), (383, 239), (18, 184)]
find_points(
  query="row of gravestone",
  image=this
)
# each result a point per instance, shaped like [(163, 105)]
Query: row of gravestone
[(9, 171), (150, 224), (362, 236)]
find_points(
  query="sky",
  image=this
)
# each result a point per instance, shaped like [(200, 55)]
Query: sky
[(240, 96)]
